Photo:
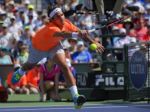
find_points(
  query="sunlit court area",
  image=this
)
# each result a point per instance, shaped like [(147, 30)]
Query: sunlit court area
[(74, 55)]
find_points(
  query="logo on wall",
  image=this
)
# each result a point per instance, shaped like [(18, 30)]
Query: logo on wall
[(109, 80), (82, 79), (138, 70)]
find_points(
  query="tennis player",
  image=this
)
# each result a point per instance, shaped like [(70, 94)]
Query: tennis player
[(47, 43)]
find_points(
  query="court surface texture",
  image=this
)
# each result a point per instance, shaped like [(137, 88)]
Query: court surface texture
[(86, 108)]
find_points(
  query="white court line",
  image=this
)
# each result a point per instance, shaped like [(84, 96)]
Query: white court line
[(58, 108), (50, 106)]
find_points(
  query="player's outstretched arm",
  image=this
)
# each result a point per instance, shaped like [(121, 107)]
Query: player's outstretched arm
[(84, 35)]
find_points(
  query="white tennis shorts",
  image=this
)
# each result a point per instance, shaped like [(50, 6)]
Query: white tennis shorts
[(35, 55)]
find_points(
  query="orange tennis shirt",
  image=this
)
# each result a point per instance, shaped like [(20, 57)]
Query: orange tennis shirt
[(44, 38)]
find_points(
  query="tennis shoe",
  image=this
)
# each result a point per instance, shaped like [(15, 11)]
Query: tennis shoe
[(17, 75), (79, 100)]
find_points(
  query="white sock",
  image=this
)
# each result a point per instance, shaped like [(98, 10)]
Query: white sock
[(73, 90)]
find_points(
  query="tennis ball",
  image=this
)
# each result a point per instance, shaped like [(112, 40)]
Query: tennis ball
[(93, 47)]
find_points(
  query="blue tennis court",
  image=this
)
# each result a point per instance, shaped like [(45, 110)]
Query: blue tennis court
[(86, 108)]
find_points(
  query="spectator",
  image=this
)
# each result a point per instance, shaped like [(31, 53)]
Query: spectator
[(14, 28), (10, 6), (32, 79), (31, 23), (147, 36), (87, 21), (139, 5), (61, 4), (48, 81), (88, 4), (21, 18), (26, 36), (3, 18), (48, 3), (82, 55), (7, 40), (39, 21), (16, 51), (23, 55), (123, 40), (115, 32), (26, 1), (51, 78), (19, 87), (4, 58), (73, 45), (31, 11), (72, 4), (128, 25), (140, 29)]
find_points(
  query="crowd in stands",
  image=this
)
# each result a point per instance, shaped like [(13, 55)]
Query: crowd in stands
[(19, 21)]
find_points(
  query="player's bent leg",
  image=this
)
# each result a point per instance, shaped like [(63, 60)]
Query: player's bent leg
[(79, 100), (60, 59)]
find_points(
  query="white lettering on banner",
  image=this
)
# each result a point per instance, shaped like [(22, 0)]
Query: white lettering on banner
[(109, 80), (99, 79), (120, 81), (82, 78), (137, 68)]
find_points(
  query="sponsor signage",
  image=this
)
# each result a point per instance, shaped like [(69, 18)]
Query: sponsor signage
[(99, 80), (138, 70)]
